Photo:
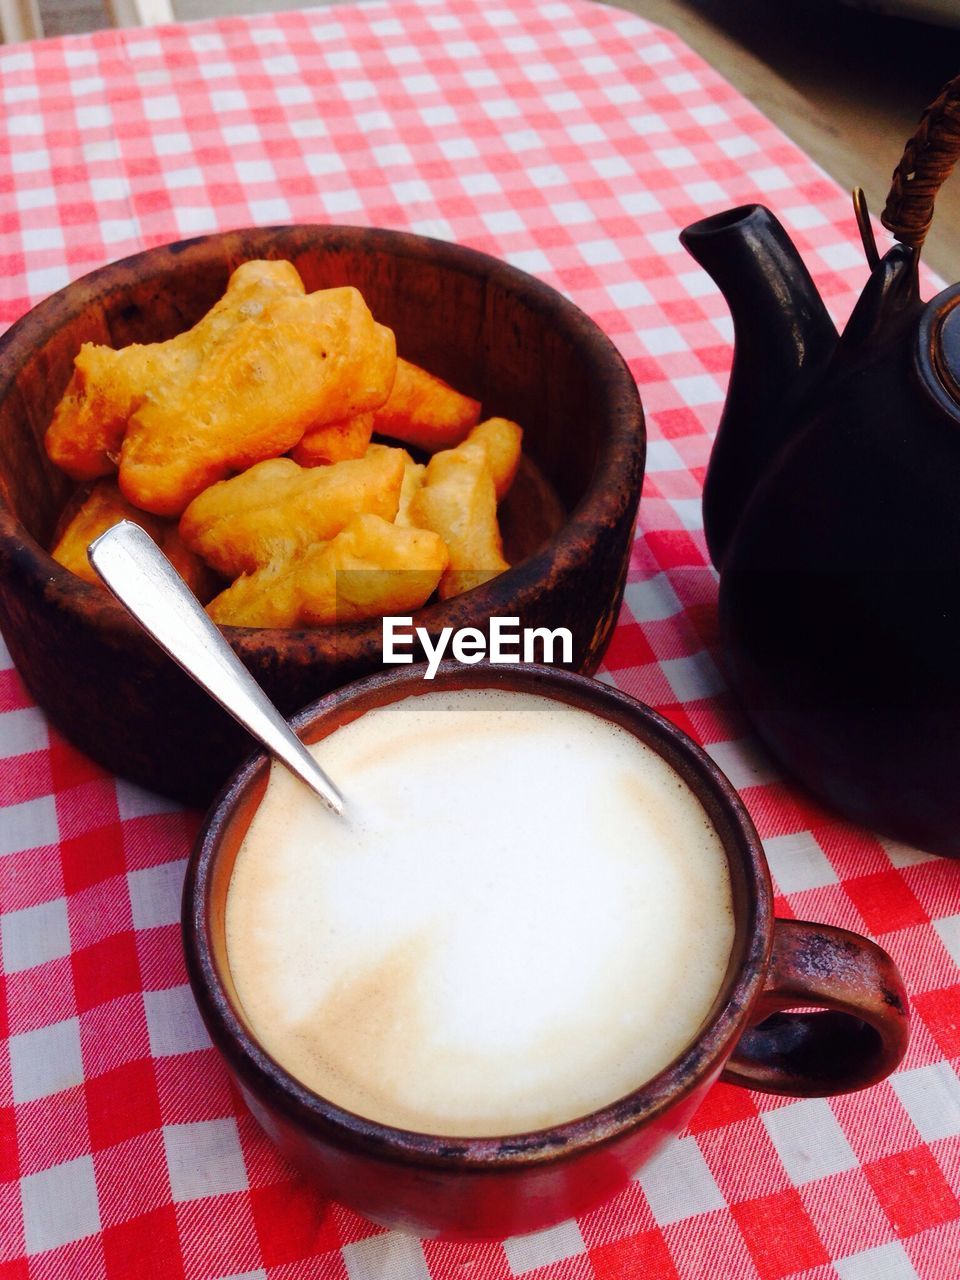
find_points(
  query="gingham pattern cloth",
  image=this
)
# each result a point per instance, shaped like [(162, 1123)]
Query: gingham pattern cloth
[(574, 140)]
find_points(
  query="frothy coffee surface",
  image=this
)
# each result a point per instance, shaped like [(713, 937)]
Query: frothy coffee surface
[(525, 916)]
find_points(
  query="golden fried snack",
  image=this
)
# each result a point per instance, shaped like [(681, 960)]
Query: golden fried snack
[(334, 442), (458, 501), (370, 568), (305, 361), (498, 440), (198, 575), (87, 427), (414, 474), (265, 598), (106, 386), (106, 506), (423, 410), (275, 508), (103, 507)]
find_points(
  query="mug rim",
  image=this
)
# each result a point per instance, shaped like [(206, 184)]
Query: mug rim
[(702, 1060)]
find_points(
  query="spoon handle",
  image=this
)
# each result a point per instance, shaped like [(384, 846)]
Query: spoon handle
[(143, 579)]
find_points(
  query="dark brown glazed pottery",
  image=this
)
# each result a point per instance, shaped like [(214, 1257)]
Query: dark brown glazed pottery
[(472, 1187), (832, 509), (488, 328)]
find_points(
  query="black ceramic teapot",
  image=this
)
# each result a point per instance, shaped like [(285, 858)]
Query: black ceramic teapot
[(832, 509)]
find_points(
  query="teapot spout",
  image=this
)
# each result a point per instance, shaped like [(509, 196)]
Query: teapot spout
[(783, 341)]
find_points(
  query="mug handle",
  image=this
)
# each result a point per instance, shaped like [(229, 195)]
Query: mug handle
[(859, 1034)]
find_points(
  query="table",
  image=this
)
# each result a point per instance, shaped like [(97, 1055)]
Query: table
[(574, 140)]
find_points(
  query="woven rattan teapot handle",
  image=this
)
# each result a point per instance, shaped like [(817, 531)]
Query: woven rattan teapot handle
[(927, 162)]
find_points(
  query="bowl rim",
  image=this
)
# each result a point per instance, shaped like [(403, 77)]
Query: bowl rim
[(605, 500), (697, 1065)]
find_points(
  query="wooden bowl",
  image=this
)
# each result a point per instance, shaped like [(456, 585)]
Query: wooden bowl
[(489, 329)]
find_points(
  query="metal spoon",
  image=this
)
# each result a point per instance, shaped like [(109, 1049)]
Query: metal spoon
[(146, 583)]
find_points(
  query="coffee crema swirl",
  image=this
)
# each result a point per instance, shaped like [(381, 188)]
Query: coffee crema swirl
[(525, 915)]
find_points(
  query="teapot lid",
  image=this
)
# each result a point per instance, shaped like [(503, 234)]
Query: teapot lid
[(938, 348), (946, 354)]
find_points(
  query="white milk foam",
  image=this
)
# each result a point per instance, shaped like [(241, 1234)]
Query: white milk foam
[(526, 915)]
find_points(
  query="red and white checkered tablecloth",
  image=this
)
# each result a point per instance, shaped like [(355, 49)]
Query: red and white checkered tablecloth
[(574, 140)]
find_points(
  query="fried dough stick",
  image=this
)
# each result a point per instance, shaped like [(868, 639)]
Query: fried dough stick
[(414, 474), (498, 440), (370, 568), (106, 506), (425, 411), (276, 508), (88, 425), (334, 442), (458, 501), (305, 361)]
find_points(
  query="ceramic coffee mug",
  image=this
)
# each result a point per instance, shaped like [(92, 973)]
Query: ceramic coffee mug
[(496, 1187)]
